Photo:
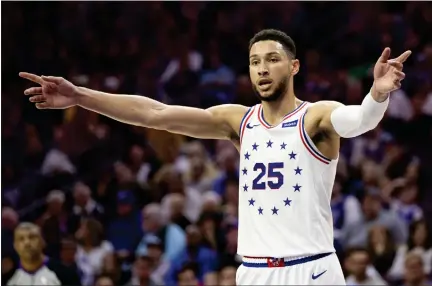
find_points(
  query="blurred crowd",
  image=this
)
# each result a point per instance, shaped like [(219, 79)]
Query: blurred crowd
[(124, 205)]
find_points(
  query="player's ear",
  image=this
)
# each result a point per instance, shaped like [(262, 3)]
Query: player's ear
[(295, 66)]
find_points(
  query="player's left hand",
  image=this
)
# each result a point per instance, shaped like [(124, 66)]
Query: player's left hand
[(388, 72)]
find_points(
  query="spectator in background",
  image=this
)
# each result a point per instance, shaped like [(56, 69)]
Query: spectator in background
[(172, 236), (188, 275), (127, 221), (371, 145), (141, 272), (91, 251), (113, 267), (160, 266), (228, 162), (85, 205), (212, 202), (169, 180), (10, 220), (217, 82), (204, 257), (420, 243), (227, 275), (373, 214), (211, 229), (68, 254), (202, 171), (359, 272), (346, 210), (229, 255), (381, 249), (404, 202), (104, 280), (55, 223), (139, 167), (414, 274), (174, 207)]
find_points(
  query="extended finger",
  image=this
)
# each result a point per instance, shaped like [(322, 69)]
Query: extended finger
[(53, 79), (402, 58), (397, 65), (33, 90), (42, 105), (384, 56), (37, 98), (32, 77)]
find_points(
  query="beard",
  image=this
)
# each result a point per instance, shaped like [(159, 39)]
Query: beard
[(279, 91)]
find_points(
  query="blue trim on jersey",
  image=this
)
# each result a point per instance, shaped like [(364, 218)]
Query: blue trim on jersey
[(289, 262), (243, 119), (309, 144), (289, 113)]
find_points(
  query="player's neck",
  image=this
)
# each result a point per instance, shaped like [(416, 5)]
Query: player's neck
[(275, 111), (33, 264)]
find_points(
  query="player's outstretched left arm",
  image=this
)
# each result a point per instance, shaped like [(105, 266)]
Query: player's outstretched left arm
[(353, 120)]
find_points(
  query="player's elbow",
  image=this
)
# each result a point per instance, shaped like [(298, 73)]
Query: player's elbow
[(351, 121)]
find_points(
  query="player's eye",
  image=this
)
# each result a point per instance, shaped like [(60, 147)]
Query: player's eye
[(274, 60), (254, 62)]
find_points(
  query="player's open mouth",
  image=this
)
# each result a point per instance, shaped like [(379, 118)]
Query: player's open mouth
[(264, 83)]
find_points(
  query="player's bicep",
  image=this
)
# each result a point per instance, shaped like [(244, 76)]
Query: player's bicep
[(210, 123), (324, 111)]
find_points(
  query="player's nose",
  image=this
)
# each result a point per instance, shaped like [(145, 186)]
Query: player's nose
[(262, 72)]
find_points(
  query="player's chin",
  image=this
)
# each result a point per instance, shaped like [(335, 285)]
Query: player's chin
[(266, 93)]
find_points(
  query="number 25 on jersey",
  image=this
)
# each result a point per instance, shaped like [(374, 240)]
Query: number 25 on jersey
[(269, 175)]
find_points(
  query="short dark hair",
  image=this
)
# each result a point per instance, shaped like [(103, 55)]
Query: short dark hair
[(192, 266), (277, 36), (355, 249)]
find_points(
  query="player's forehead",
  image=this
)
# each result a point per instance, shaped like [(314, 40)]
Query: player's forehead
[(263, 48)]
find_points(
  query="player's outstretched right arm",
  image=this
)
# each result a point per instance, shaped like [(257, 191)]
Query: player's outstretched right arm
[(219, 122)]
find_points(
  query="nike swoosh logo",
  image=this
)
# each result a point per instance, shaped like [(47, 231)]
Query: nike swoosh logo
[(317, 276), (251, 126)]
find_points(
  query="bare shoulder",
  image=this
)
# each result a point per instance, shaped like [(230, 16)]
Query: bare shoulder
[(323, 106), (232, 114)]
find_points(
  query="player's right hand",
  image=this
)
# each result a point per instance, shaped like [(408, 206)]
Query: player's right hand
[(53, 92)]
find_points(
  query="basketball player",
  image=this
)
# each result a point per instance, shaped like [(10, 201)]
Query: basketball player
[(289, 150)]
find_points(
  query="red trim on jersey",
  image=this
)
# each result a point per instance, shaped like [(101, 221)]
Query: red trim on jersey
[(307, 145), (268, 126), (245, 122)]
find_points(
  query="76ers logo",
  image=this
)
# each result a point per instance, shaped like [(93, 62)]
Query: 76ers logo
[(275, 262)]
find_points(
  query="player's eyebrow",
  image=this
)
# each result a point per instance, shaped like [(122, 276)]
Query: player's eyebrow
[(268, 54)]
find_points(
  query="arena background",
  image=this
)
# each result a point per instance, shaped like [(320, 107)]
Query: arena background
[(59, 167)]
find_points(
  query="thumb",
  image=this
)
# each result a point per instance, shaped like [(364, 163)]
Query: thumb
[(42, 105), (384, 56), (53, 79)]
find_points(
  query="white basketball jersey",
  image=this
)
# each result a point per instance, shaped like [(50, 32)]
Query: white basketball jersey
[(285, 189)]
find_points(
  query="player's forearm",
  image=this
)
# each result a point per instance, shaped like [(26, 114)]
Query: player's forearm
[(130, 109), (143, 111), (354, 120)]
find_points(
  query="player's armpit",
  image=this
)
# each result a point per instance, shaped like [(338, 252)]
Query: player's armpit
[(321, 113)]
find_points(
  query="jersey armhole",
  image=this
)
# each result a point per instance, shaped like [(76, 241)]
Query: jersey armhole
[(244, 121), (308, 143)]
